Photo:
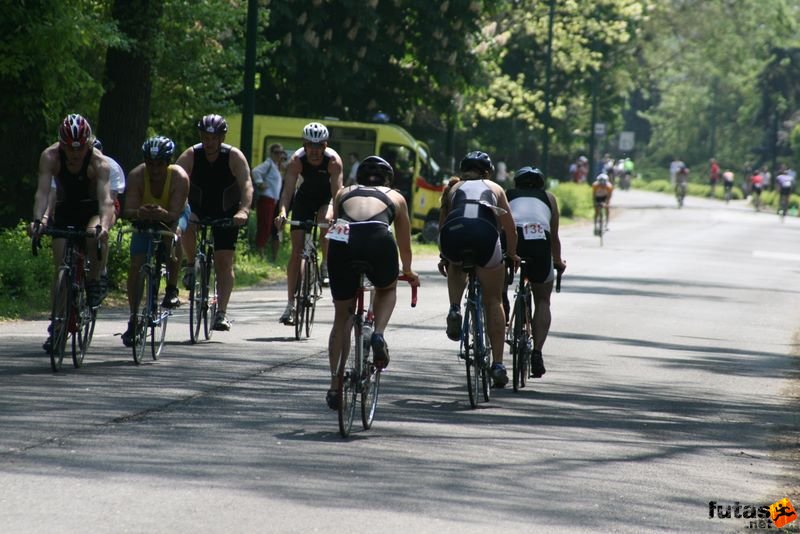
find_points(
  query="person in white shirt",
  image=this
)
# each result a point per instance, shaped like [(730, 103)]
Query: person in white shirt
[(267, 182)]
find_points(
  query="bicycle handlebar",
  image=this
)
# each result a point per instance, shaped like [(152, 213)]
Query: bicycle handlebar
[(405, 278), (70, 232)]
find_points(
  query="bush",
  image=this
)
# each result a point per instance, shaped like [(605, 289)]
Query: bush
[(574, 200), (25, 279)]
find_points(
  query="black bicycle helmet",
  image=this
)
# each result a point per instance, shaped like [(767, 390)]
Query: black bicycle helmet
[(374, 171), (215, 124), (477, 161), (158, 147), (529, 177), (97, 144)]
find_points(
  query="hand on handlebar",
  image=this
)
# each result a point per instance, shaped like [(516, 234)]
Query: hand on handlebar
[(444, 264), (280, 220), (240, 217)]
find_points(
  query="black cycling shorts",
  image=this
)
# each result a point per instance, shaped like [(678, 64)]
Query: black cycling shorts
[(538, 256), (307, 204), (371, 250), (461, 237)]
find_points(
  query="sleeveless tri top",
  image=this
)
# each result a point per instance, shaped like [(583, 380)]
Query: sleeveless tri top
[(149, 198), (386, 216), (214, 191), (74, 188)]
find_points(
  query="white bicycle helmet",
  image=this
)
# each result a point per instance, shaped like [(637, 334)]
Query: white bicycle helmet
[(315, 132)]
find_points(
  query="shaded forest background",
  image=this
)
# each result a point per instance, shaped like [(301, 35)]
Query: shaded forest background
[(691, 78)]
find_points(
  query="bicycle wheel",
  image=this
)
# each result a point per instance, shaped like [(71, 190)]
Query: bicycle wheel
[(601, 227), (196, 301), (84, 322), (210, 293), (484, 362), (517, 328), (348, 390), (299, 306), (371, 385), (311, 288), (158, 328), (59, 318), (471, 354), (141, 318)]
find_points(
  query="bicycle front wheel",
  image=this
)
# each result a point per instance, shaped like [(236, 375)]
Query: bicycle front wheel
[(311, 290), (210, 294), (59, 319), (471, 354), (158, 330), (299, 305), (141, 318), (84, 319), (196, 301)]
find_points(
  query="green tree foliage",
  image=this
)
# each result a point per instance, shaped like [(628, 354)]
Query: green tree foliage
[(709, 62), (353, 58)]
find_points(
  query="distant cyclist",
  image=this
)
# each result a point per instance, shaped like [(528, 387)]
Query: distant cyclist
[(784, 182), (727, 184), (365, 212), (536, 217), (157, 193), (83, 195), (470, 220), (601, 193), (220, 187), (756, 186), (322, 171)]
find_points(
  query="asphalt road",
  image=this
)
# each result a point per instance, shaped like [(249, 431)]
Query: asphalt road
[(671, 363)]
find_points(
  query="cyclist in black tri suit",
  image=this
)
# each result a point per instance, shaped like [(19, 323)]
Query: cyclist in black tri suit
[(220, 188), (473, 210), (83, 195), (361, 240), (321, 169)]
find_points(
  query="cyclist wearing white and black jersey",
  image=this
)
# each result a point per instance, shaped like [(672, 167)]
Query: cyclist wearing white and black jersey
[(536, 217), (322, 172), (473, 209), (361, 241)]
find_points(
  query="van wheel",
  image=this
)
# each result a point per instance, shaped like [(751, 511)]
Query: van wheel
[(430, 232)]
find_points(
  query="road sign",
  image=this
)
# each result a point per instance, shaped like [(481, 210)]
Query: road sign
[(599, 128), (626, 141)]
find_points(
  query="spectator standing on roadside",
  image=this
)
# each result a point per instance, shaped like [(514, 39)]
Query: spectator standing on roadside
[(267, 182)]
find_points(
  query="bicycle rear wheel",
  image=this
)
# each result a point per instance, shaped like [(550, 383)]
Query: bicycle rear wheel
[(471, 354), (84, 319), (371, 384), (484, 362), (158, 329), (141, 318), (59, 319), (196, 301), (210, 294), (517, 355), (348, 390)]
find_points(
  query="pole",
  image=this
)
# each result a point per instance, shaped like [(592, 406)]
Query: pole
[(593, 134), (249, 92), (547, 76)]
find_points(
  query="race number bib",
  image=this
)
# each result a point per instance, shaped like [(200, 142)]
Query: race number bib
[(533, 231), (339, 231)]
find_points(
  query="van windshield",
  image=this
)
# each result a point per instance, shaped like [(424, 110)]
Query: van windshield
[(403, 160)]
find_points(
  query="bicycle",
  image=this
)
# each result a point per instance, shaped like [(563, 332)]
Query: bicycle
[(783, 204), (519, 333), (71, 315), (363, 378), (475, 347), (202, 280), (149, 314), (680, 193), (599, 221), (309, 284)]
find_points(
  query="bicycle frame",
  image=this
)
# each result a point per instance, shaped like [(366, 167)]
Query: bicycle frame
[(308, 289), (203, 286)]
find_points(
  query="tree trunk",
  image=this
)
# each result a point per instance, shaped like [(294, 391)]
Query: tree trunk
[(125, 106)]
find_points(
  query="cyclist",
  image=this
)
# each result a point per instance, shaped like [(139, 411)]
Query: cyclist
[(83, 195), (756, 186), (322, 171), (784, 182), (601, 192), (366, 210), (469, 220), (157, 192), (220, 187), (536, 215), (713, 175), (681, 181), (727, 184)]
